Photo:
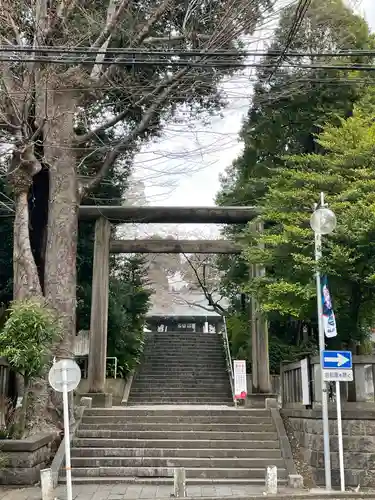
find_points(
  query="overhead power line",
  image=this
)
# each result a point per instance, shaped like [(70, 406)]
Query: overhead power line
[(199, 64), (301, 10), (134, 51)]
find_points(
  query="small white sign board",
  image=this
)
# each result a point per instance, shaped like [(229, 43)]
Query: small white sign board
[(240, 384), (338, 375), (305, 378)]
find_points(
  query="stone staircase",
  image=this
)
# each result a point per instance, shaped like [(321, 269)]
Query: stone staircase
[(182, 368), (214, 445)]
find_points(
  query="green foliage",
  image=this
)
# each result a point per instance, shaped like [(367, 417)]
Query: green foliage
[(27, 337), (286, 114), (280, 346), (346, 173), (25, 341), (239, 336), (128, 304)]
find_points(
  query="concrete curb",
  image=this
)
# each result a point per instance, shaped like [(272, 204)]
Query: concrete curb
[(295, 479), (335, 495), (128, 386)]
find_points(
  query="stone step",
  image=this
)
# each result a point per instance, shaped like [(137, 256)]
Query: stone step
[(187, 366), (176, 435), (167, 462), (204, 473), (178, 376), (174, 401), (190, 383), (188, 359), (184, 335), (181, 400), (178, 402), (188, 387), (197, 350), (161, 393), (182, 444), (104, 480), (211, 397), (185, 389), (133, 401), (181, 381), (185, 374), (170, 349), (200, 370), (190, 351), (178, 412), (174, 419), (181, 362), (196, 337), (191, 427), (177, 452), (178, 346)]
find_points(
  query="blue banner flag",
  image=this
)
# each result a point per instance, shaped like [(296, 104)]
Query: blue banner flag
[(329, 320)]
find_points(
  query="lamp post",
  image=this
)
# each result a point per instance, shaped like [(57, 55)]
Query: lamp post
[(322, 221)]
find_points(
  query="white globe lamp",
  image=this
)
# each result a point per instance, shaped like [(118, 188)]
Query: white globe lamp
[(323, 221)]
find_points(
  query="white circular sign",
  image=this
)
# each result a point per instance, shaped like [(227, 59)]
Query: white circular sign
[(323, 221), (66, 373)]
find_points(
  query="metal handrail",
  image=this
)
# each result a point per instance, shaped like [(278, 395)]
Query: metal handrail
[(228, 356)]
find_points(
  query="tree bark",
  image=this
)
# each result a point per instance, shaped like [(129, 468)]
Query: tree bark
[(25, 280), (61, 253)]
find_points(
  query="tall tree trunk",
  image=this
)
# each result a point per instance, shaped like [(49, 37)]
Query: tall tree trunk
[(61, 253), (25, 280), (27, 284)]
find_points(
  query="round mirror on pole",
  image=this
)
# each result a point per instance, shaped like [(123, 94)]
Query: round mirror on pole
[(323, 221), (64, 372)]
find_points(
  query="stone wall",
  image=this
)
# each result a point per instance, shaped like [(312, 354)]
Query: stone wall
[(358, 437), (25, 458)]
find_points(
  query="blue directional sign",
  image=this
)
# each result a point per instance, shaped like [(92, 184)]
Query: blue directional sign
[(337, 360)]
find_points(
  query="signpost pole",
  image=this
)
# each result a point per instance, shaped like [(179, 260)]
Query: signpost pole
[(64, 376), (69, 492), (327, 455), (339, 435)]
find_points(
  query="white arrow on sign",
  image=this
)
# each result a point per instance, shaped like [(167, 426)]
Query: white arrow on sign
[(340, 359)]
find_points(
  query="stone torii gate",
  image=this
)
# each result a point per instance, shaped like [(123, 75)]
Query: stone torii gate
[(104, 217)]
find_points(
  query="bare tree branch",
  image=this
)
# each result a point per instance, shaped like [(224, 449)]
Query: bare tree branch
[(154, 17), (195, 304), (15, 29), (62, 12), (175, 38), (208, 295), (121, 146), (81, 139), (113, 18)]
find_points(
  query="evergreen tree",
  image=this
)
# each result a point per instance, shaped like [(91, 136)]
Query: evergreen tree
[(345, 170), (288, 108)]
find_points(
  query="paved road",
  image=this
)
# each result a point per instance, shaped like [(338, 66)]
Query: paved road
[(145, 492), (131, 492)]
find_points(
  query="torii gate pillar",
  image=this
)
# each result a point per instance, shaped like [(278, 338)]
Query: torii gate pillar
[(99, 316), (261, 379)]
